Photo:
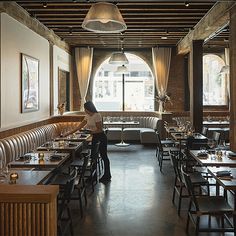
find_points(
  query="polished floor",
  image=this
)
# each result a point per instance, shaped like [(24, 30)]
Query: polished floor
[(137, 202)]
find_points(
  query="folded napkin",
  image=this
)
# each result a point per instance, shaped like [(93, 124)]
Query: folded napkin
[(232, 154), (55, 158), (223, 173), (24, 157)]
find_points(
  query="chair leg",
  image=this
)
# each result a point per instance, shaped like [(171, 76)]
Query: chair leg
[(161, 160), (188, 216), (180, 199), (197, 225), (173, 196)]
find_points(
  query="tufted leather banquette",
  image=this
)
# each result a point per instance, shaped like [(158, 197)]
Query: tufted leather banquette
[(143, 132), (17, 145)]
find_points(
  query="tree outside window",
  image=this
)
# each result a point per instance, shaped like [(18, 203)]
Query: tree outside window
[(214, 83)]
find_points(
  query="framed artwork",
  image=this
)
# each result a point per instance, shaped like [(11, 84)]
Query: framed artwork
[(29, 83)]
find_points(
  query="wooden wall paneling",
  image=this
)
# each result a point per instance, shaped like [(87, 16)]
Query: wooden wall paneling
[(28, 210)]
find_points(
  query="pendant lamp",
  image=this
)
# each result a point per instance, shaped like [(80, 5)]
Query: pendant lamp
[(122, 70), (118, 58), (104, 17)]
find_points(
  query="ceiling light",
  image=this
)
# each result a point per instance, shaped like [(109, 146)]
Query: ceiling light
[(118, 58), (164, 37), (187, 4), (104, 17), (122, 70), (45, 5)]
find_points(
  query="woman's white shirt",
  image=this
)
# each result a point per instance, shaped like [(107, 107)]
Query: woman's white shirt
[(92, 120)]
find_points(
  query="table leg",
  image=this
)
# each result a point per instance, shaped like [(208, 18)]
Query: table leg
[(122, 143)]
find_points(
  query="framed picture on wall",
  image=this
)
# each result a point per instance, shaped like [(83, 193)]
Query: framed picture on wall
[(29, 83)]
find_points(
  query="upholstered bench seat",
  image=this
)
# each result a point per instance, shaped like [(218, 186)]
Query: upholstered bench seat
[(143, 131), (114, 134), (147, 136), (131, 134)]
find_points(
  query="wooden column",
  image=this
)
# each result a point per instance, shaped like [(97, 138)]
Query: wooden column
[(232, 39), (195, 85)]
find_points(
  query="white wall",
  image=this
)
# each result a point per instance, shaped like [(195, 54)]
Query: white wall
[(62, 60), (16, 39)]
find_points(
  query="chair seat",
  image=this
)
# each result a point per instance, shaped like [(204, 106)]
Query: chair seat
[(197, 178), (213, 205)]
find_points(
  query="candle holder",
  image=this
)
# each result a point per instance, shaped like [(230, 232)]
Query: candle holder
[(61, 143), (13, 177), (41, 157)]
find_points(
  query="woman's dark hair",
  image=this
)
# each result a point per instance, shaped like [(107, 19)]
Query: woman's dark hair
[(90, 107)]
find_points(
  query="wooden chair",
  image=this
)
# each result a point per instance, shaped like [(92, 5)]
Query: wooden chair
[(64, 219), (163, 153), (216, 206), (179, 187)]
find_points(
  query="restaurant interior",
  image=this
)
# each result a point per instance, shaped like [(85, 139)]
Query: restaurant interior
[(162, 74)]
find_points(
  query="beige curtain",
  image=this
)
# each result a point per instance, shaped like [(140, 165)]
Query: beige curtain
[(161, 62), (83, 60)]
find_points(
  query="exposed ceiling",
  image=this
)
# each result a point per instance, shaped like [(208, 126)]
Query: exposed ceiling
[(149, 23)]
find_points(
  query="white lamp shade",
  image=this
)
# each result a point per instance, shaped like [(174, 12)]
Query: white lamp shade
[(122, 70), (118, 58), (104, 17)]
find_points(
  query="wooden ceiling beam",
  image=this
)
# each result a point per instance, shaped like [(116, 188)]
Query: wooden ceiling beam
[(216, 18)]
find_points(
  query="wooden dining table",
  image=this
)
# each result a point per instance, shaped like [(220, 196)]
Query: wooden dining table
[(62, 146), (227, 182), (212, 159), (34, 162), (27, 177)]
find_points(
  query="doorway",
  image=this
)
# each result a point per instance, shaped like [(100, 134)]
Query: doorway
[(64, 88)]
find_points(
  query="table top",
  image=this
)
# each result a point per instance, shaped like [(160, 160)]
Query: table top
[(27, 177), (47, 162), (121, 122), (76, 137), (228, 183), (213, 160), (61, 146), (181, 136)]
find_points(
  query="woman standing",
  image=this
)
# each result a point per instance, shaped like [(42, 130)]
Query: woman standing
[(93, 122)]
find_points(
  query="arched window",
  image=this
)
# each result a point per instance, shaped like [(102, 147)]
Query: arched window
[(137, 85), (214, 83)]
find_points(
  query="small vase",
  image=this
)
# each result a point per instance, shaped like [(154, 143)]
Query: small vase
[(61, 111)]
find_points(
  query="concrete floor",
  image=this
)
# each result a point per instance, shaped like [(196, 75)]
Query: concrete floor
[(137, 202)]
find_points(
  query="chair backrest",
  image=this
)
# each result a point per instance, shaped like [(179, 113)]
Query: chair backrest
[(83, 169), (70, 184), (204, 130), (176, 164), (189, 186), (216, 136), (159, 144)]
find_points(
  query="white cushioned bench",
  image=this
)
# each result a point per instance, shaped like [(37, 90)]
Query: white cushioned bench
[(144, 132)]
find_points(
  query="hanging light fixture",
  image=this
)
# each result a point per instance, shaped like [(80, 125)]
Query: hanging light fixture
[(118, 58), (122, 70), (104, 17)]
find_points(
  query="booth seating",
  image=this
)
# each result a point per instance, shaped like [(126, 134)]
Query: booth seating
[(17, 145), (143, 132)]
